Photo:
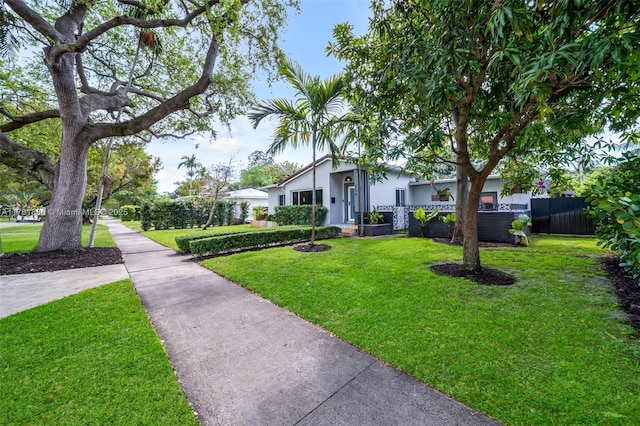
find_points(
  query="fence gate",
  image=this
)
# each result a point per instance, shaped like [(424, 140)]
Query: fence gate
[(561, 216)]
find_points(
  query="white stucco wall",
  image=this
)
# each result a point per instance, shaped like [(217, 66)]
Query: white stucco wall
[(384, 193)]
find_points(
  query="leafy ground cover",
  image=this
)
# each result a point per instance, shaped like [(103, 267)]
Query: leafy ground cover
[(24, 237), (554, 348), (91, 358)]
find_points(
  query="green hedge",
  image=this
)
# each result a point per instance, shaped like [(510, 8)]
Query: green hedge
[(298, 215), (183, 241), (129, 213), (255, 240)]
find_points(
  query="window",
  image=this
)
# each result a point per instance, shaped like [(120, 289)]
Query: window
[(400, 197), (282, 200), (488, 201), (302, 198)]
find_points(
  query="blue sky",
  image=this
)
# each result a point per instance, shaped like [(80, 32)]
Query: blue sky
[(304, 40)]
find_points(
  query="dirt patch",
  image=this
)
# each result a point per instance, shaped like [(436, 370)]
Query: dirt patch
[(486, 276), (30, 262), (312, 248), (627, 288)]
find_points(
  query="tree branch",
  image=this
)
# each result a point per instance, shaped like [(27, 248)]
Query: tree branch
[(178, 102), (37, 164), (35, 20), (20, 121)]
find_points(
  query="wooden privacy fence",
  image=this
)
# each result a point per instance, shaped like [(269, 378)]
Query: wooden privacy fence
[(561, 216)]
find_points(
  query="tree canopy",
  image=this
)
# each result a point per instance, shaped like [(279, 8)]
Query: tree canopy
[(193, 63), (472, 82)]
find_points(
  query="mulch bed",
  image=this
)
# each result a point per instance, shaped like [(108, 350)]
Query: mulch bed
[(312, 248), (486, 276), (29, 262), (627, 288)]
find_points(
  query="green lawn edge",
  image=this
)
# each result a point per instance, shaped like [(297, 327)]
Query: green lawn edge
[(88, 359)]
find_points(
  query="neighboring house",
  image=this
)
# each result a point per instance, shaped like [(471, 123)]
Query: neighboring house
[(255, 197), (338, 190)]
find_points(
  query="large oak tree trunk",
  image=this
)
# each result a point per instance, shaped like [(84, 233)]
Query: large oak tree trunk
[(63, 224)]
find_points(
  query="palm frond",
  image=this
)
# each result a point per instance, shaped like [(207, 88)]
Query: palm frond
[(277, 108), (296, 76), (9, 45)]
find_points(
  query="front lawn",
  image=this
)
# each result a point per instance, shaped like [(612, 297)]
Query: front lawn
[(552, 349), (24, 237), (91, 358)]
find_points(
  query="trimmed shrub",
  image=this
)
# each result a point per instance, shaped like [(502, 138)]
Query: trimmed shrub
[(145, 216), (220, 213), (129, 213), (230, 212), (183, 240), (244, 211), (255, 240), (298, 215)]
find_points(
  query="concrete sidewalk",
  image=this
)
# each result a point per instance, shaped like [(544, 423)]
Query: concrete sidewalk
[(244, 361), (26, 291)]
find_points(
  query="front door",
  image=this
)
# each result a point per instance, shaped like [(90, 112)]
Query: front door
[(351, 203)]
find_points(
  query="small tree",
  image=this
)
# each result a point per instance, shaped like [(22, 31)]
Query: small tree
[(217, 178)]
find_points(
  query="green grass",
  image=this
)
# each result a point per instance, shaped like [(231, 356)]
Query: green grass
[(89, 359), (552, 349), (24, 237)]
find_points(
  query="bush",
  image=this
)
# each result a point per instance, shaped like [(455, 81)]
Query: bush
[(165, 214), (298, 215), (129, 213), (255, 240), (615, 200), (183, 241), (220, 213), (145, 217), (244, 211), (230, 212)]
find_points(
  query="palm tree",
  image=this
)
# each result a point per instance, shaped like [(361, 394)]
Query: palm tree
[(191, 164), (309, 119)]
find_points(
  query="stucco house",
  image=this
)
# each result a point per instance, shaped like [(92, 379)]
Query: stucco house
[(343, 191), (340, 188)]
